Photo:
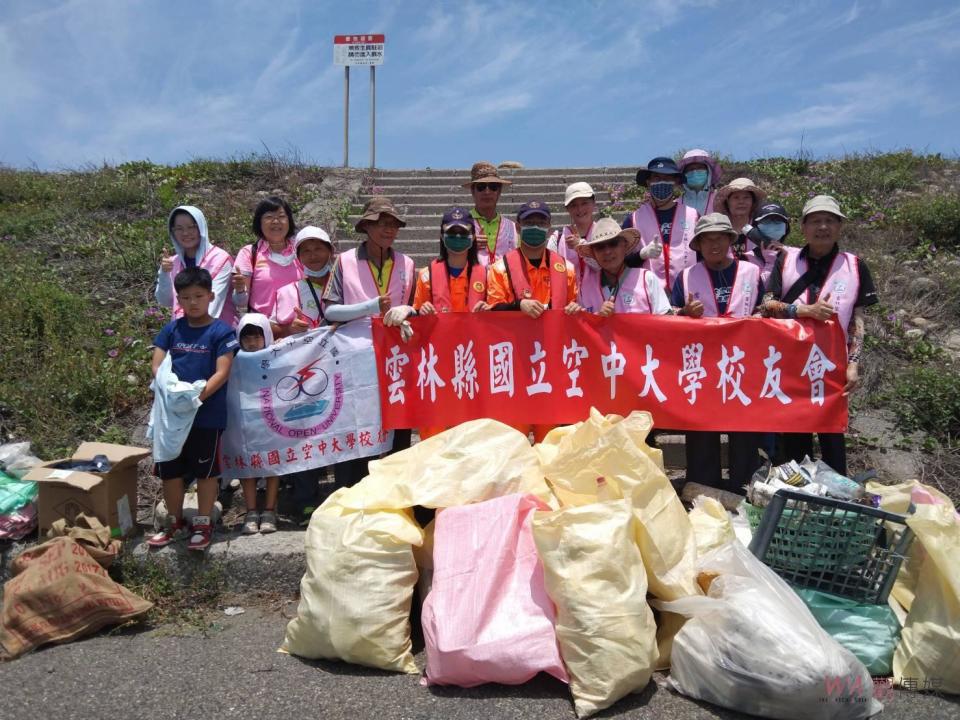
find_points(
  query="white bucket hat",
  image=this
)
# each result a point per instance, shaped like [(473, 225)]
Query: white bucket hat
[(821, 203), (608, 229), (577, 190)]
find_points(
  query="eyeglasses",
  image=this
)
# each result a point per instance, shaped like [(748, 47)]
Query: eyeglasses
[(493, 186), (278, 218)]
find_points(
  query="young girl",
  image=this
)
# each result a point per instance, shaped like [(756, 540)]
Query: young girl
[(255, 334)]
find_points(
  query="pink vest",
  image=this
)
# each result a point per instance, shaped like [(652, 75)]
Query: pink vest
[(506, 241), (213, 261), (632, 297), (698, 281), (710, 197), (359, 284), (677, 256), (842, 283), (570, 254)]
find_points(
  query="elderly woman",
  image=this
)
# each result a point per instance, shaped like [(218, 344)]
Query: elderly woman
[(741, 201), (821, 282), (701, 174), (268, 264)]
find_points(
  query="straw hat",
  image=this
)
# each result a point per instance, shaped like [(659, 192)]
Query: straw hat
[(485, 172), (375, 207), (608, 229), (720, 201), (712, 223)]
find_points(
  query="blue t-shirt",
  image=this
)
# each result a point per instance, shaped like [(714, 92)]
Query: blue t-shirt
[(722, 285), (194, 352)]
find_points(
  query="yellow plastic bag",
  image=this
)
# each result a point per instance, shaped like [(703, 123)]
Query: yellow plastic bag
[(478, 460), (355, 596), (596, 579), (711, 524), (929, 648), (615, 449)]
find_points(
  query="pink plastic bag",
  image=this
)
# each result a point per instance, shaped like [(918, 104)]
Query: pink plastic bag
[(488, 617)]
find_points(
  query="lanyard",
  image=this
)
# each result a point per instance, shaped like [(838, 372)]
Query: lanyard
[(316, 299)]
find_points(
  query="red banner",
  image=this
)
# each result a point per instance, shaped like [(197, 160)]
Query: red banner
[(716, 374)]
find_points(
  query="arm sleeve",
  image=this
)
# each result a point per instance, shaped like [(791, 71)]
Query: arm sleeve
[(571, 284), (345, 313), (423, 292), (867, 294), (221, 286), (627, 221), (678, 297), (227, 343), (659, 303), (162, 340), (775, 281), (760, 293), (554, 240), (164, 289)]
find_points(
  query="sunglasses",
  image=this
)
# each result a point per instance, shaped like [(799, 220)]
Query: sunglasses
[(495, 187)]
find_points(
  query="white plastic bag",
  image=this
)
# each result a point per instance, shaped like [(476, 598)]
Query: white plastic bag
[(752, 645), (175, 404), (16, 459)]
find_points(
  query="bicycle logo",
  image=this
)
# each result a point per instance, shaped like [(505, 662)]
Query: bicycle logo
[(308, 381)]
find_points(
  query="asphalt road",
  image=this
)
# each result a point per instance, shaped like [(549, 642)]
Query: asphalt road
[(234, 671)]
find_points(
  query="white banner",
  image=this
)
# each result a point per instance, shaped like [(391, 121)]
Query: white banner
[(308, 401)]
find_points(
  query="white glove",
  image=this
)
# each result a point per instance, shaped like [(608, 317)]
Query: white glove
[(653, 250), (396, 316), (406, 331)]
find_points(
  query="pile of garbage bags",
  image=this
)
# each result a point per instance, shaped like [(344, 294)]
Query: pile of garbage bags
[(18, 498), (547, 559)]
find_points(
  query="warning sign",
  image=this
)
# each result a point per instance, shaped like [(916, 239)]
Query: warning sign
[(358, 49)]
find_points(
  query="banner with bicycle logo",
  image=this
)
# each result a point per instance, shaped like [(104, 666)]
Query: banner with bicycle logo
[(306, 402)]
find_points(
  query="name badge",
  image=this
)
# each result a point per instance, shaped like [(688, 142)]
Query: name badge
[(627, 299)]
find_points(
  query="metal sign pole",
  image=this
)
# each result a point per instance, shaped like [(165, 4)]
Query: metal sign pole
[(373, 116), (346, 116)]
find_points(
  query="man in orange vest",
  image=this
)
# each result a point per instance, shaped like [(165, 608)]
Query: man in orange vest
[(532, 278)]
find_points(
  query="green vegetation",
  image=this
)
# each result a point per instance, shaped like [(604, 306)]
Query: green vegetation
[(79, 254)]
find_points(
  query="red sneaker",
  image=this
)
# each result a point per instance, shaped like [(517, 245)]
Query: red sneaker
[(202, 532), (175, 529)]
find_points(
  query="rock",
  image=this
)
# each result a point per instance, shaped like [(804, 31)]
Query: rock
[(915, 333), (952, 341), (278, 192), (923, 285), (893, 465), (875, 426), (132, 379), (923, 323)]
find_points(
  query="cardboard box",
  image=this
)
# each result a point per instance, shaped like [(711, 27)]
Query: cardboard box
[(110, 496)]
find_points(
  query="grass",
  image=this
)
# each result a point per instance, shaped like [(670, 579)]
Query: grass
[(80, 249)]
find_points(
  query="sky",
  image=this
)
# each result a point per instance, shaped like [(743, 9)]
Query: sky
[(548, 83)]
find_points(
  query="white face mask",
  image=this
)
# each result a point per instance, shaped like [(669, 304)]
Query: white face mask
[(322, 272)]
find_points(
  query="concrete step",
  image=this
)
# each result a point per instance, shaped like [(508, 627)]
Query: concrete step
[(508, 206), (464, 173), (456, 181), (551, 194)]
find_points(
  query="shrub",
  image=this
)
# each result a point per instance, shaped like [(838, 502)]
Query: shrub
[(928, 399), (935, 220)]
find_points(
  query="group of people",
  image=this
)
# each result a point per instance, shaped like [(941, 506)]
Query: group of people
[(693, 248)]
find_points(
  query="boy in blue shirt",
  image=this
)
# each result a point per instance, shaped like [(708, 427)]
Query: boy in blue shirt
[(201, 348)]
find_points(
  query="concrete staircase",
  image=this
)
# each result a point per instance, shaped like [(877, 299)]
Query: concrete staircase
[(424, 195)]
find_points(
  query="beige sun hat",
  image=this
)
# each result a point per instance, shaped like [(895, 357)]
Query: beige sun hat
[(821, 203), (608, 229), (375, 207), (712, 223), (577, 190), (741, 183), (484, 171)]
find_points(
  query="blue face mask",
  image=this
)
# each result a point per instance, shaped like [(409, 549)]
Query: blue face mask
[(457, 243), (661, 190), (533, 236), (697, 179), (773, 229), (322, 272)]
